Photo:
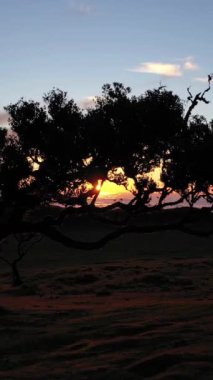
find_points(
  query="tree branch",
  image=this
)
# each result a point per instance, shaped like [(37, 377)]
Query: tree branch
[(197, 98), (48, 228), (56, 235)]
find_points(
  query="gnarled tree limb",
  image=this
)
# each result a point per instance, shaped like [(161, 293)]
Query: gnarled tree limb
[(199, 97)]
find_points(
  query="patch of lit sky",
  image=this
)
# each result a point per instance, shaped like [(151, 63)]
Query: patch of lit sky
[(78, 45), (110, 189)]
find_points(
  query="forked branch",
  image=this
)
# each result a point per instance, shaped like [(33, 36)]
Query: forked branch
[(199, 97)]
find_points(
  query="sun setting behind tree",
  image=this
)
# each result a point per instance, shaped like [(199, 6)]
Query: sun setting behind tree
[(111, 189), (106, 190)]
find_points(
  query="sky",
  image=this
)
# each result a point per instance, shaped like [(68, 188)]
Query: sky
[(78, 46)]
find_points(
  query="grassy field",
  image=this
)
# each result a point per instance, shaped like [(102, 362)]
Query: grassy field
[(139, 308)]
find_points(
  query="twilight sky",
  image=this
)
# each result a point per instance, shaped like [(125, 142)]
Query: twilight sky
[(78, 46)]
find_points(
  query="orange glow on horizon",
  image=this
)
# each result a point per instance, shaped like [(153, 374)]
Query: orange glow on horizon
[(111, 189)]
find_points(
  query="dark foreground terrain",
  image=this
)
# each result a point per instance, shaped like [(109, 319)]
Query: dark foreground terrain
[(140, 308)]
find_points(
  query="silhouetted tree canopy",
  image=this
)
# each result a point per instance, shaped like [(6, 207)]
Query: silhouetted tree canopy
[(56, 152), (56, 149)]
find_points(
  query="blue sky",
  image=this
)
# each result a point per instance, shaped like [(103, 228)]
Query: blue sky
[(80, 45)]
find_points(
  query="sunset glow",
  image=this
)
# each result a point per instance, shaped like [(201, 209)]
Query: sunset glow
[(98, 187), (35, 163), (111, 189)]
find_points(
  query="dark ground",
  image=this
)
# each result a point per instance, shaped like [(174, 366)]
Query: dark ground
[(139, 308)]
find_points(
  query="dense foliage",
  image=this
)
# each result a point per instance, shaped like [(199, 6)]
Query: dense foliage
[(56, 152)]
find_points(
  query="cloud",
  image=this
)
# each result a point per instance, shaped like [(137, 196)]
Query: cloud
[(81, 8), (201, 79), (88, 102), (189, 64), (3, 118), (166, 69)]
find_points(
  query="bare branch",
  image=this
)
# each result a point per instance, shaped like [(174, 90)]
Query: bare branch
[(207, 89), (50, 230), (197, 98), (182, 226), (97, 193), (174, 203), (190, 97)]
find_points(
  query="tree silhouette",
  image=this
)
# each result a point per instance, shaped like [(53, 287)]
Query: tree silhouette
[(50, 137), (55, 152)]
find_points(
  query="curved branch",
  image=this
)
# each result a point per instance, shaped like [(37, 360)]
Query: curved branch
[(56, 235), (197, 98), (95, 197), (91, 210), (192, 106), (207, 89), (173, 203), (48, 228)]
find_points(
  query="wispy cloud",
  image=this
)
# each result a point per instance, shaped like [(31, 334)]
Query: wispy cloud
[(167, 69), (189, 64), (3, 118), (201, 79), (81, 8)]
